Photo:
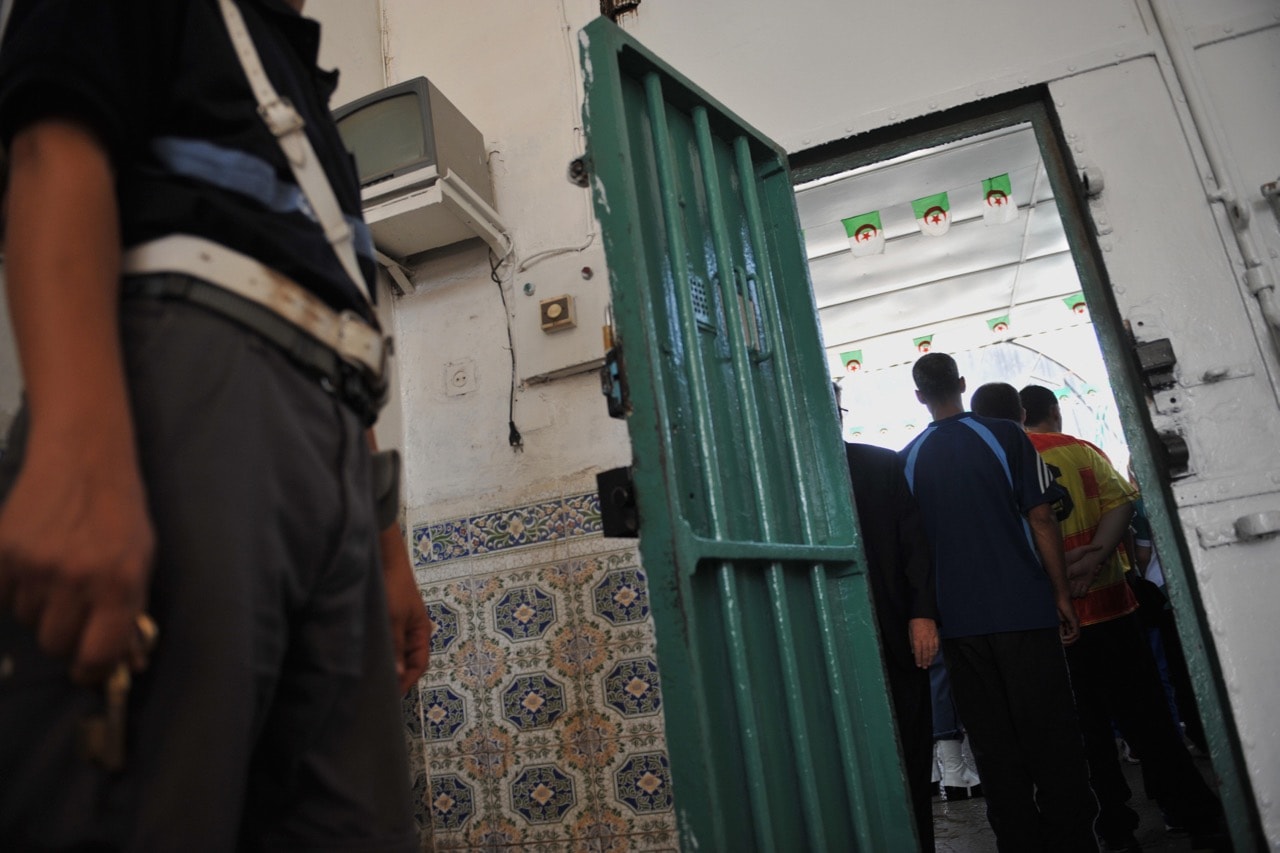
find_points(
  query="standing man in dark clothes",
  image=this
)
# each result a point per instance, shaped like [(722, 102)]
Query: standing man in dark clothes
[(900, 572), (1112, 669), (190, 286), (1004, 613)]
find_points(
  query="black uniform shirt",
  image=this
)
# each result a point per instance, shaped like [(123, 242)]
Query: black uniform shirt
[(899, 562), (148, 76)]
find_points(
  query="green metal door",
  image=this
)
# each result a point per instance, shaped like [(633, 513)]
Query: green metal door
[(778, 721)]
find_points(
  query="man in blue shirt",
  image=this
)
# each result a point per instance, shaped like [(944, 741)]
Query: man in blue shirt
[(1004, 612)]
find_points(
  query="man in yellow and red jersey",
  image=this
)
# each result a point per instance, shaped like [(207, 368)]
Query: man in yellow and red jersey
[(1112, 672)]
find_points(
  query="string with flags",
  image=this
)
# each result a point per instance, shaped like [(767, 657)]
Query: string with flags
[(933, 216)]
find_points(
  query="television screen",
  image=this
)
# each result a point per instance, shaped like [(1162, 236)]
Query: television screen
[(388, 136)]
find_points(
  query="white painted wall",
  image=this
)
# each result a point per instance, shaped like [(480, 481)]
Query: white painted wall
[(512, 70), (811, 71)]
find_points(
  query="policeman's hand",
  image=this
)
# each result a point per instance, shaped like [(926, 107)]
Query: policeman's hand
[(410, 625), (76, 548), (1068, 622), (924, 640)]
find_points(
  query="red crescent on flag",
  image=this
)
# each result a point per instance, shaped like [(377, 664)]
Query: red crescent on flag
[(936, 213), (865, 232), (1000, 327), (853, 365), (1079, 308), (923, 347), (997, 197)]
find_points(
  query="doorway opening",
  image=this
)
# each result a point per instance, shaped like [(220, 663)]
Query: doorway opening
[(988, 278), (965, 233)]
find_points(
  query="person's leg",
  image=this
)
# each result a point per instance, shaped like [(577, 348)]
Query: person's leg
[(332, 771), (946, 722), (1047, 731), (232, 439), (191, 716), (978, 683), (1087, 657), (956, 779), (910, 689), (248, 464), (1137, 699)]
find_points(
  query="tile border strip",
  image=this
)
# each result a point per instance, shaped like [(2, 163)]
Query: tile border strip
[(486, 533)]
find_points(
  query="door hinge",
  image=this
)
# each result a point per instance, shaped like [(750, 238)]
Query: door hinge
[(1156, 361), (1175, 454), (619, 516), (1271, 192)]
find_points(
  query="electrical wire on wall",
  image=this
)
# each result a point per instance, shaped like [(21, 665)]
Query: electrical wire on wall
[(520, 265), (513, 435)]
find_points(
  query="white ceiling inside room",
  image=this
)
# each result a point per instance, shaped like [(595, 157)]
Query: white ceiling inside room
[(948, 286), (958, 290)]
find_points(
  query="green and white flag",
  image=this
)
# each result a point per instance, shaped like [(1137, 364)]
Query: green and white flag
[(998, 206), (852, 360), (933, 214), (1076, 303), (999, 324), (866, 236)]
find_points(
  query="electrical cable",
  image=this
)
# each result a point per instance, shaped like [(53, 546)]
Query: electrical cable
[(542, 256), (513, 435)]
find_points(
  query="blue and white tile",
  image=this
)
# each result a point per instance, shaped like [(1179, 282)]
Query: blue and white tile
[(438, 542), (642, 782), (524, 613), (532, 524), (533, 701), (444, 712), (544, 794), (452, 802), (580, 515), (447, 625), (631, 688), (621, 595)]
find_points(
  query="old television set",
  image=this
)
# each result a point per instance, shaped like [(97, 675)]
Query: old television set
[(414, 152)]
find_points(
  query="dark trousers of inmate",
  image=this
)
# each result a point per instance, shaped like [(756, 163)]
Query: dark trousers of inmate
[(1115, 679), (268, 719), (912, 710), (1014, 694)]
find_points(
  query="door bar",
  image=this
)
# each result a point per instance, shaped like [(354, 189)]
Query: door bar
[(735, 636)]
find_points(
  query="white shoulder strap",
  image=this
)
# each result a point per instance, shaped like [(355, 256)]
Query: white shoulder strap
[(287, 126)]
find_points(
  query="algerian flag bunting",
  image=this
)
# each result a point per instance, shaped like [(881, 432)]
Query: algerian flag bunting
[(923, 344), (998, 206), (866, 235), (1076, 303), (852, 360), (933, 214), (999, 324)]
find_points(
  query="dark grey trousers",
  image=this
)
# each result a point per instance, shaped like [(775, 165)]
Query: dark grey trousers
[(269, 718)]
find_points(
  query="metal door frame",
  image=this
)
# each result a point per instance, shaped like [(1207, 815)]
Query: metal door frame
[(1034, 106)]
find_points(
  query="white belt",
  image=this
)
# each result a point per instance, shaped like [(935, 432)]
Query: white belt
[(346, 333)]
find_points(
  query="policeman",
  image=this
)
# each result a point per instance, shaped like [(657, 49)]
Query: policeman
[(190, 289)]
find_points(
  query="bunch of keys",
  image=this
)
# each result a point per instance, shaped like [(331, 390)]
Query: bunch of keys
[(102, 736)]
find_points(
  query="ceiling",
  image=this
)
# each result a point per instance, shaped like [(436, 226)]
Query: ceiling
[(947, 286)]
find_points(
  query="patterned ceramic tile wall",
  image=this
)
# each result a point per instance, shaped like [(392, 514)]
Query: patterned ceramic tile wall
[(567, 518), (540, 718)]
